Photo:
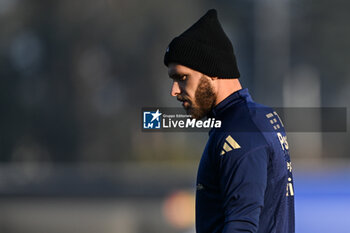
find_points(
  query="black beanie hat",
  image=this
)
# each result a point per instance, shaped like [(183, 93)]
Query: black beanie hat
[(204, 47)]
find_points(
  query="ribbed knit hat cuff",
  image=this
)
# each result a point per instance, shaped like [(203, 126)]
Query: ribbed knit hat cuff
[(201, 57)]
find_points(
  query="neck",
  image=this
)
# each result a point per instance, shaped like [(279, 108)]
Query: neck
[(226, 87)]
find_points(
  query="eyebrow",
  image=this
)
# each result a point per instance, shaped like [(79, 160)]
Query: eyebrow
[(176, 75)]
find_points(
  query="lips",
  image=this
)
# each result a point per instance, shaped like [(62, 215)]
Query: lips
[(185, 104), (184, 100)]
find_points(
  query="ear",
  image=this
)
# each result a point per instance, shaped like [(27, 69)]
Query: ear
[(214, 82)]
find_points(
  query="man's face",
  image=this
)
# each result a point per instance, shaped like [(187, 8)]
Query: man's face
[(193, 89)]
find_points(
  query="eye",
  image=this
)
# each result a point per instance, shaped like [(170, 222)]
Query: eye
[(183, 78)]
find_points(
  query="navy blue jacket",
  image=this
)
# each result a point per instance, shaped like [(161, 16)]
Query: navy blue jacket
[(244, 181)]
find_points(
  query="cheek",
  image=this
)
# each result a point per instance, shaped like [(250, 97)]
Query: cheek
[(191, 88), (187, 90)]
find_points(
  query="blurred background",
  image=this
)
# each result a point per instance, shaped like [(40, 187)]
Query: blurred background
[(74, 76)]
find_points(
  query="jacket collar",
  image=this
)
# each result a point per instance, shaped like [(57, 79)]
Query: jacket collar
[(235, 97)]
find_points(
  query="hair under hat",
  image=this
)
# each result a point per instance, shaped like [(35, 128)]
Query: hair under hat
[(204, 47)]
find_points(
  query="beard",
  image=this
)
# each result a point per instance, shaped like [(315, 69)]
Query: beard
[(203, 102)]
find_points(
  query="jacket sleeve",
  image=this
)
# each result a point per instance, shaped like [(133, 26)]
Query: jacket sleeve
[(243, 178)]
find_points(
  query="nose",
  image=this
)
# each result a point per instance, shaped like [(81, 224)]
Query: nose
[(175, 90)]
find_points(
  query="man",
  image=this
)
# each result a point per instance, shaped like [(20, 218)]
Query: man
[(244, 181)]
